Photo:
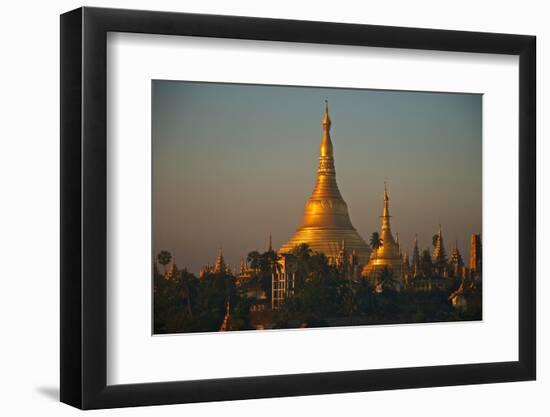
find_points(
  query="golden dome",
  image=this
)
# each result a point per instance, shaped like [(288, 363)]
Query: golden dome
[(326, 220)]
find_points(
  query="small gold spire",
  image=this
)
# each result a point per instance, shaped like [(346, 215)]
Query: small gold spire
[(439, 249), (219, 265), (390, 247), (389, 254)]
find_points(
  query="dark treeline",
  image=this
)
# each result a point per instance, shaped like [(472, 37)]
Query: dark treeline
[(323, 296), (185, 303)]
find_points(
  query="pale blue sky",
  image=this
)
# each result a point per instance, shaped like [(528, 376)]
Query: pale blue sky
[(234, 162)]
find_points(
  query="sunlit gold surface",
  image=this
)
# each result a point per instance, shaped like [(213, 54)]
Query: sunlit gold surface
[(388, 254), (326, 222)]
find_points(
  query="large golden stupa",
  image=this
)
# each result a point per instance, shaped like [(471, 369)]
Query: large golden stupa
[(389, 253), (326, 225)]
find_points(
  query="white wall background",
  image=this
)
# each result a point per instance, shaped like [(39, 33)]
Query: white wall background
[(29, 225)]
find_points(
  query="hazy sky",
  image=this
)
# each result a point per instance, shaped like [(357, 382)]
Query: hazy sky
[(233, 162)]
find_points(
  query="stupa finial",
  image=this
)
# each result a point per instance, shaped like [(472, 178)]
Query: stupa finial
[(326, 142), (386, 211)]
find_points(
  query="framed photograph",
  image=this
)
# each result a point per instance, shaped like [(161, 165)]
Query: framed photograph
[(257, 208)]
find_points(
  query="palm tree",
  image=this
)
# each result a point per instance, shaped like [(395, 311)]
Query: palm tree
[(303, 254), (426, 265), (185, 277), (270, 259), (164, 257), (387, 279), (254, 259), (302, 251), (376, 242)]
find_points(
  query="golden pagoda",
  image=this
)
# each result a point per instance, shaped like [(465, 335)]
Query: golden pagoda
[(326, 220), (219, 265), (456, 262), (439, 254), (388, 254)]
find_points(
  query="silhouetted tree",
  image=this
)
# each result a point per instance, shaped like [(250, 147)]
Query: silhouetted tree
[(254, 259), (426, 266), (164, 257), (263, 265), (387, 279), (302, 252), (375, 241), (184, 279)]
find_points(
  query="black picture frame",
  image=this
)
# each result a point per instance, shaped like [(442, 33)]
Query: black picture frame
[(84, 207)]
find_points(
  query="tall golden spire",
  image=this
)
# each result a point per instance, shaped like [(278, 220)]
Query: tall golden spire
[(385, 211), (326, 218), (326, 207), (326, 143), (389, 248)]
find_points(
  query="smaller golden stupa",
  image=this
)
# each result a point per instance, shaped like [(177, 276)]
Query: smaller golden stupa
[(389, 253)]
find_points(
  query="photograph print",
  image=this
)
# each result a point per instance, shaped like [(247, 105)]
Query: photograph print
[(293, 207)]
